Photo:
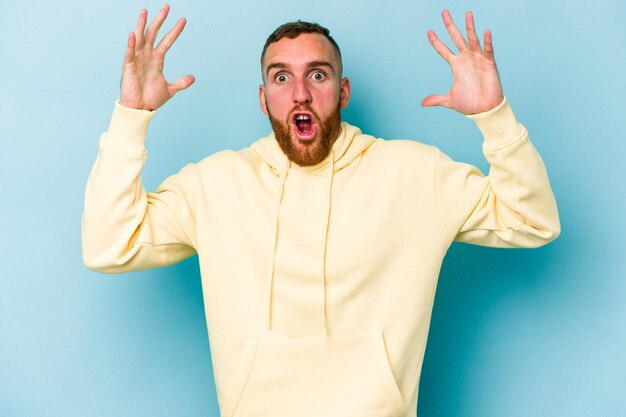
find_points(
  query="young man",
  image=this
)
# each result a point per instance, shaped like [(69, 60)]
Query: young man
[(319, 246)]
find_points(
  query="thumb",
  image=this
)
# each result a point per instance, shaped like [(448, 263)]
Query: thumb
[(181, 84), (436, 100)]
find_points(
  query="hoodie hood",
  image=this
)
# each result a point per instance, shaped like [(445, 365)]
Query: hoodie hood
[(349, 145)]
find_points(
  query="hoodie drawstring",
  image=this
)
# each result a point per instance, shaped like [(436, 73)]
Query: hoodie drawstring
[(279, 197), (347, 148), (325, 243)]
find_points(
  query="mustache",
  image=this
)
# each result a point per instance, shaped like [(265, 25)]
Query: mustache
[(301, 108)]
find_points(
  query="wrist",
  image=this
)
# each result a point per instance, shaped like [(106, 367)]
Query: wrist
[(129, 104), (488, 107), (127, 129)]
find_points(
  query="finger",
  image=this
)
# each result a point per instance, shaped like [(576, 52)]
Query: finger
[(455, 33), (488, 45), (141, 26), (439, 46), (129, 56), (154, 27), (181, 84), (436, 100), (171, 36), (472, 38)]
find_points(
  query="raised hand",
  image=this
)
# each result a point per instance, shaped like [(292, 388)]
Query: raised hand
[(476, 84), (143, 84)]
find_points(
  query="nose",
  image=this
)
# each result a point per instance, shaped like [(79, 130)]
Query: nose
[(301, 93)]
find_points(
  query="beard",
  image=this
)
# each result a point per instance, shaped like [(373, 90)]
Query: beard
[(312, 151)]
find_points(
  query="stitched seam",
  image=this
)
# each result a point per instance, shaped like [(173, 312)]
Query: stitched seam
[(441, 223), (107, 146)]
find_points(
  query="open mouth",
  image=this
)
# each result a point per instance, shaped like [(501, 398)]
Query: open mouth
[(304, 125)]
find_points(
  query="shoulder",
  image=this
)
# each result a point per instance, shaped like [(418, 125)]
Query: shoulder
[(402, 150), (214, 172), (226, 160)]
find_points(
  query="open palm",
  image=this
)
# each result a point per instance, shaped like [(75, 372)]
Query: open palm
[(476, 84), (143, 84)]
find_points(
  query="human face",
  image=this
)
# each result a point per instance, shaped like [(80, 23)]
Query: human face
[(302, 94)]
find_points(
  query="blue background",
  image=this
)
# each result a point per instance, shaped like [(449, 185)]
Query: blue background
[(514, 332)]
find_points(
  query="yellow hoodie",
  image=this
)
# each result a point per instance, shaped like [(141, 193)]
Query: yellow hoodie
[(318, 282)]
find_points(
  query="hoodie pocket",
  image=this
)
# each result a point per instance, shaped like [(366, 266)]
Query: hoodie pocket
[(345, 376)]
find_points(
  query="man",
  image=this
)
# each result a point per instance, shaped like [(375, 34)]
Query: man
[(319, 246)]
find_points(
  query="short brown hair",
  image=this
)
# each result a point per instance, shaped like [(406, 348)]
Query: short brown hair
[(292, 30)]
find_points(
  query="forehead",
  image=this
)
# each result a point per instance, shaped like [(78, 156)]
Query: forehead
[(307, 47)]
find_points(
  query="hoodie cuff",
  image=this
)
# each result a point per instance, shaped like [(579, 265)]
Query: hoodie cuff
[(127, 129), (498, 126)]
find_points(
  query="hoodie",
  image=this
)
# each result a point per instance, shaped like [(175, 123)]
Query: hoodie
[(318, 281)]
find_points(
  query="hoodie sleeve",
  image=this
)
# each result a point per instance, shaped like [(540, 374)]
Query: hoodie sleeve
[(511, 207), (124, 228)]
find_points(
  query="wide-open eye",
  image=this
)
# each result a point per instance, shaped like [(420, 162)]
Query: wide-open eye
[(319, 76), (280, 78)]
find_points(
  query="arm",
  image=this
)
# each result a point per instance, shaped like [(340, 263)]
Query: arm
[(511, 207), (124, 228), (514, 205)]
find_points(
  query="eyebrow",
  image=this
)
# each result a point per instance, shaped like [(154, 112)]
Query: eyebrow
[(274, 65), (311, 64)]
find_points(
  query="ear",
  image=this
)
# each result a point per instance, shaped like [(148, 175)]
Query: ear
[(262, 100), (344, 93)]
